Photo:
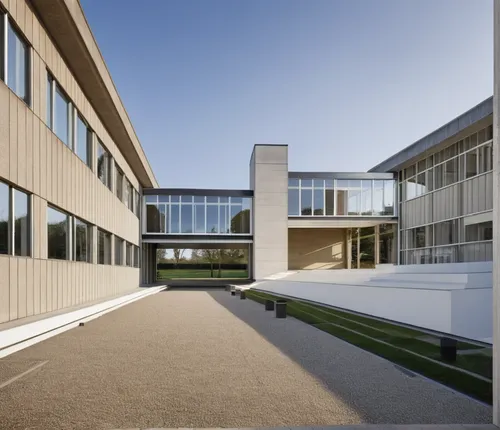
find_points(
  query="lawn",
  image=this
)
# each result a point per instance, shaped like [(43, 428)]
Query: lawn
[(355, 329), (200, 274)]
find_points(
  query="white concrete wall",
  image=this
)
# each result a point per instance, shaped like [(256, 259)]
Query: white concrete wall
[(423, 308), (269, 181)]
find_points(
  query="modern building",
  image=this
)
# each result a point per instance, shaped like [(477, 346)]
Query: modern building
[(82, 216)]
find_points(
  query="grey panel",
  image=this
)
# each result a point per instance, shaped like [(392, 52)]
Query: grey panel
[(341, 175), (481, 111), (197, 192)]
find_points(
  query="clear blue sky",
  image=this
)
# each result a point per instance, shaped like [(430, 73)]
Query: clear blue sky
[(345, 83)]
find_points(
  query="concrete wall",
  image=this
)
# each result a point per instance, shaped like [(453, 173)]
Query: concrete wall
[(269, 180), (36, 161), (310, 248)]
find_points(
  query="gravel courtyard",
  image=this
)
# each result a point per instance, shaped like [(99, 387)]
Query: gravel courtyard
[(196, 358)]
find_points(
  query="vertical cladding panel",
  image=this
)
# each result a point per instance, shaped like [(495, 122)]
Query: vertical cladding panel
[(13, 288), (21, 289), (475, 195), (43, 168), (37, 287), (482, 193), (30, 289), (29, 150), (13, 137), (36, 155), (49, 286), (489, 191), (21, 8), (57, 275), (4, 289), (21, 144), (50, 172), (4, 132), (28, 27), (43, 286)]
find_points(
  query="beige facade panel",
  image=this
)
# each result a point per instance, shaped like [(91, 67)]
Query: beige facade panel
[(316, 248), (35, 160)]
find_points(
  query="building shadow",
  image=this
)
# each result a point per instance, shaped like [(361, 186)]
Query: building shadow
[(378, 390)]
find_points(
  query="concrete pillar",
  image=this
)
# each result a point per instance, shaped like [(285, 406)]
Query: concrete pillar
[(269, 182), (358, 253), (348, 248), (496, 214), (377, 245)]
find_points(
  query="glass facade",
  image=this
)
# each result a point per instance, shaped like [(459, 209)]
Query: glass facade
[(169, 214), (440, 198), (341, 197), (57, 234), (18, 64)]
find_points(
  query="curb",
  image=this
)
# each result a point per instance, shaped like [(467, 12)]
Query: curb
[(17, 338)]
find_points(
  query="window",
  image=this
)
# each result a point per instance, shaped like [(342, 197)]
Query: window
[(471, 164), (82, 233), (155, 218), (103, 164), (451, 172), (21, 224), (128, 254), (479, 232), (118, 251), (4, 218), (18, 64), (137, 256), (212, 219), (62, 117), (446, 233), (103, 247), (485, 158), (130, 196), (15, 221), (119, 183), (50, 85), (57, 234), (137, 208), (306, 201), (82, 144)]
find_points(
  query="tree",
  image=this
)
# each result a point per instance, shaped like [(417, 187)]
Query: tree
[(178, 255), (161, 255), (211, 255)]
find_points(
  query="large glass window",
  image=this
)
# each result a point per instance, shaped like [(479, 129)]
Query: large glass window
[(137, 203), (479, 232), (187, 218), (306, 201), (175, 218), (21, 224), (319, 201), (354, 202), (471, 164), (82, 234), (103, 164), (199, 218), (485, 158), (240, 218), (50, 84), (18, 64), (83, 135), (4, 218), (212, 218), (446, 233), (57, 234), (366, 198), (118, 251), (137, 257), (451, 172), (103, 247), (156, 218), (62, 117), (128, 254), (119, 183), (130, 196)]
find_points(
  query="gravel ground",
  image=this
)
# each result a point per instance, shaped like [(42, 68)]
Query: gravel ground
[(206, 359)]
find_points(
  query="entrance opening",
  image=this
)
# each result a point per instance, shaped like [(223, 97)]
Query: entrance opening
[(202, 263)]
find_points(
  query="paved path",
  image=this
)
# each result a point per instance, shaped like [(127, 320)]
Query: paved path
[(206, 359)]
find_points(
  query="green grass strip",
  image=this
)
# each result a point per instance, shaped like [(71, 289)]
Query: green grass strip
[(322, 317)]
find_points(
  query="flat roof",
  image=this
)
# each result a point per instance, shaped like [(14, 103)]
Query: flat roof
[(455, 126), (197, 192), (340, 175)]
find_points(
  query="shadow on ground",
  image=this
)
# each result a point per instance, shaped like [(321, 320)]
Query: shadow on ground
[(379, 391)]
